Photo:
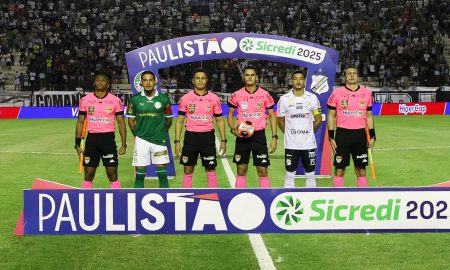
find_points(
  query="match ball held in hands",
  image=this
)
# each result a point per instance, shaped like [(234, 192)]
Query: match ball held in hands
[(245, 129)]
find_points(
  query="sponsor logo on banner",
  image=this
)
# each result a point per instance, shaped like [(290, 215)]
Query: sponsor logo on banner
[(416, 108), (219, 211), (281, 48)]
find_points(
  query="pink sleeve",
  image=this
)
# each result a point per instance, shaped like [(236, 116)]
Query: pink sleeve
[(269, 100), (217, 106), (232, 99), (82, 105), (369, 103), (182, 105), (119, 105), (332, 100)]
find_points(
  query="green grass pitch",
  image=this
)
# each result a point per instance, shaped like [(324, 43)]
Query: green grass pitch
[(410, 151)]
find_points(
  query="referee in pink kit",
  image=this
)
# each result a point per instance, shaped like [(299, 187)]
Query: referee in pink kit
[(100, 109), (350, 109), (200, 108)]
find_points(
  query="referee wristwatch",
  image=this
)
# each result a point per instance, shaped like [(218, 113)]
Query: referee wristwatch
[(275, 137), (176, 141), (224, 141)]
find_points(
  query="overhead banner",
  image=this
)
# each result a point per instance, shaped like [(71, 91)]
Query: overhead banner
[(320, 61), (221, 211)]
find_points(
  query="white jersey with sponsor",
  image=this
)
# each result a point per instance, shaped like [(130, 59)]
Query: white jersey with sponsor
[(299, 118)]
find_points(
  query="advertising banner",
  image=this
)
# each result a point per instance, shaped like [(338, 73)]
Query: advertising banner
[(420, 108), (225, 211)]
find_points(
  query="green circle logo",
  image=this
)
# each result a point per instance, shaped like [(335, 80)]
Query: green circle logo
[(247, 44), (289, 211), (137, 82)]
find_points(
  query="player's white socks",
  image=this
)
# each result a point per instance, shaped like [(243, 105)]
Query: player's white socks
[(289, 180), (310, 179)]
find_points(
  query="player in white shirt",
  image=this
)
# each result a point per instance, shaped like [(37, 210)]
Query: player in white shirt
[(299, 117)]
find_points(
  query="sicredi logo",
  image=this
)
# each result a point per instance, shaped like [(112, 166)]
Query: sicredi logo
[(289, 211), (301, 211), (282, 48)]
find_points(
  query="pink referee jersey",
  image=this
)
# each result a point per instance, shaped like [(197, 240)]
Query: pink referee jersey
[(200, 111), (101, 112), (351, 106), (252, 106)]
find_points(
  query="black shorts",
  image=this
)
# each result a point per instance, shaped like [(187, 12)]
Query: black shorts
[(292, 157), (100, 145), (354, 142), (195, 143), (257, 145)]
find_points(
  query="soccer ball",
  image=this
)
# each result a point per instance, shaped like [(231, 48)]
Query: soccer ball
[(245, 129)]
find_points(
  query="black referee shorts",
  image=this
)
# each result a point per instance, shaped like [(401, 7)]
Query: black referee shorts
[(100, 145), (351, 142), (257, 145), (195, 143)]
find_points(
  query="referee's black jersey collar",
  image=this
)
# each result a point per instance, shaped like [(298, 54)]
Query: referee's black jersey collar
[(257, 88), (101, 97), (359, 86), (207, 91)]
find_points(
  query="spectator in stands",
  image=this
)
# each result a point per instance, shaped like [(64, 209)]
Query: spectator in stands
[(2, 80)]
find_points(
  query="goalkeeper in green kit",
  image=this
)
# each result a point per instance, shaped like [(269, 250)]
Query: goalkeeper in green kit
[(149, 117)]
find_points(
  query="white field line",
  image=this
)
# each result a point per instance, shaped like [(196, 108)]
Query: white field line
[(259, 248), (410, 148)]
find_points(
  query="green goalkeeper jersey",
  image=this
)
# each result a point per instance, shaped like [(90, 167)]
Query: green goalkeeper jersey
[(150, 116)]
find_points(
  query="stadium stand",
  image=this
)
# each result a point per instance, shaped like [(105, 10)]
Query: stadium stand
[(59, 45)]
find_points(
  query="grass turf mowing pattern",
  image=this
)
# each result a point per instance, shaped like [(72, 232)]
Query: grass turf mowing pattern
[(410, 151)]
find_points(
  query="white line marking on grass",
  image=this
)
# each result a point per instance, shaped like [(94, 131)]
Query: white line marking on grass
[(411, 148), (38, 153), (259, 248)]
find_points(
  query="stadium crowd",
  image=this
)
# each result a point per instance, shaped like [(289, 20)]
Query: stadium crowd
[(63, 43)]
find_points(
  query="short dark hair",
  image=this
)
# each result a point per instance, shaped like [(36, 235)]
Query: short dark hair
[(148, 72), (250, 67), (299, 71), (199, 70), (103, 74)]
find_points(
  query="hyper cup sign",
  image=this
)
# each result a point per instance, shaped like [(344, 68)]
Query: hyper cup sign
[(223, 211)]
